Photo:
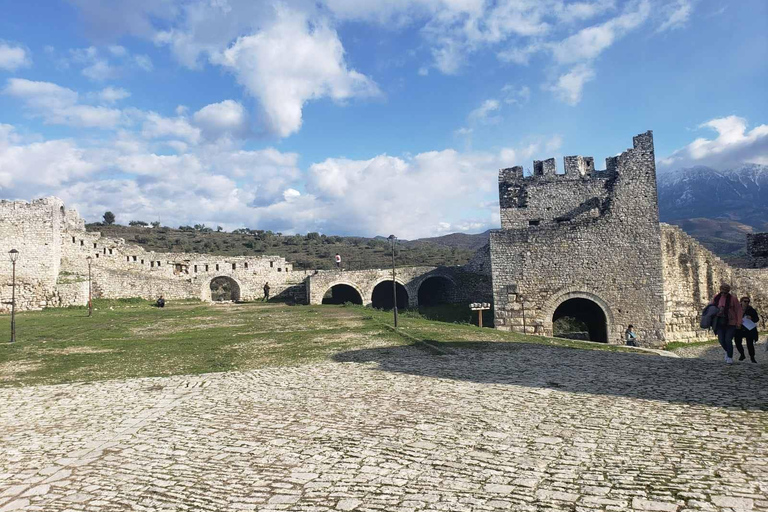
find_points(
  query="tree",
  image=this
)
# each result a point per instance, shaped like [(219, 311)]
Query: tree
[(109, 218), (219, 229), (156, 224), (138, 223)]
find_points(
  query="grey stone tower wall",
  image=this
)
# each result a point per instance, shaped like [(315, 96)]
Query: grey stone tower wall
[(583, 234), (757, 250), (34, 229)]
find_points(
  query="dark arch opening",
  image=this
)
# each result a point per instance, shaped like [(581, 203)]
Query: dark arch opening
[(224, 289), (341, 294), (579, 319), (436, 290), (382, 296)]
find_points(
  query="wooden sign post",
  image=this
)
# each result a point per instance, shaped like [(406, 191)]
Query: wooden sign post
[(480, 307)]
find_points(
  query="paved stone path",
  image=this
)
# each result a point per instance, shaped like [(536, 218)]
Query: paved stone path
[(511, 427)]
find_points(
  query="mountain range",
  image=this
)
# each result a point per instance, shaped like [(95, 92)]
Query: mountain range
[(718, 208)]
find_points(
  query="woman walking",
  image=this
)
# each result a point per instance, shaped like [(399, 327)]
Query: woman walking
[(729, 317), (748, 329)]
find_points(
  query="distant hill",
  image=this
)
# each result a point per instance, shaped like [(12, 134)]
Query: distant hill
[(310, 251), (718, 208), (460, 240)]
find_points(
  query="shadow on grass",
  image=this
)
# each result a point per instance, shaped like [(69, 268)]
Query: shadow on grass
[(595, 372)]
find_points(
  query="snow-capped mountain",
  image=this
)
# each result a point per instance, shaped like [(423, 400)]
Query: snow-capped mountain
[(739, 195)]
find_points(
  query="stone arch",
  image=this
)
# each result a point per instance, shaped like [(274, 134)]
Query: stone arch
[(436, 289), (342, 292), (234, 284), (590, 314), (381, 294)]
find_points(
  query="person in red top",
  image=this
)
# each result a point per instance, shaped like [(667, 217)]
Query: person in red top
[(728, 319)]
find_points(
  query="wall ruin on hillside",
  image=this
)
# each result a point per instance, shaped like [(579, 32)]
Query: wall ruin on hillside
[(585, 234), (52, 268)]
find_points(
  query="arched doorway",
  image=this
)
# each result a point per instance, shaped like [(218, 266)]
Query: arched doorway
[(224, 289), (381, 298), (580, 318), (341, 294), (436, 290)]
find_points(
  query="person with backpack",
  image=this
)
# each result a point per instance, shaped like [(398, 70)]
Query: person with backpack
[(266, 292), (630, 336), (728, 319), (748, 329)]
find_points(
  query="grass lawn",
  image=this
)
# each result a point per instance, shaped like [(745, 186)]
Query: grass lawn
[(129, 338)]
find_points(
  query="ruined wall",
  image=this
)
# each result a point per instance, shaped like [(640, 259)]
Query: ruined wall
[(583, 234), (692, 276), (33, 229), (757, 250)]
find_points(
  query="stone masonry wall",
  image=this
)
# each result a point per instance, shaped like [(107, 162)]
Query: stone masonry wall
[(692, 277), (757, 250), (584, 234), (32, 228)]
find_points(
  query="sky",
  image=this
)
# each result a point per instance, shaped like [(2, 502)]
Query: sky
[(351, 117)]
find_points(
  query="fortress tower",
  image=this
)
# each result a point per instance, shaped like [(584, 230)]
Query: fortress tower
[(583, 244)]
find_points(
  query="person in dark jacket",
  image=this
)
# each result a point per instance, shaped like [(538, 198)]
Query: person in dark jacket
[(743, 332), (728, 319)]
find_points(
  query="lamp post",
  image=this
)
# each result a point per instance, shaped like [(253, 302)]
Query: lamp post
[(393, 239), (90, 302), (14, 255)]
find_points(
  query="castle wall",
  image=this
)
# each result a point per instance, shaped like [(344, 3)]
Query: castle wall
[(692, 276), (586, 234), (33, 229)]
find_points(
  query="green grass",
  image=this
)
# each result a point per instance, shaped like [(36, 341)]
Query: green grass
[(130, 338), (676, 345)]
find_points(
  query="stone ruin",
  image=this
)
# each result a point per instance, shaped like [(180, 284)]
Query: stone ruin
[(588, 244), (584, 243), (52, 269)]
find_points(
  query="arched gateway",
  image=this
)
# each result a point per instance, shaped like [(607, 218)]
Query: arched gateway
[(222, 289)]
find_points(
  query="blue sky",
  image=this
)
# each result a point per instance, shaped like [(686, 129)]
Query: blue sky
[(365, 118)]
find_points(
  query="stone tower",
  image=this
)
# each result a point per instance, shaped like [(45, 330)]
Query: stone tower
[(582, 243)]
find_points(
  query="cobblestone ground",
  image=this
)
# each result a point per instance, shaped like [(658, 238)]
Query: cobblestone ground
[(509, 427)]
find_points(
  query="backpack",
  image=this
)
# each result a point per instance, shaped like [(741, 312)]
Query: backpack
[(708, 316)]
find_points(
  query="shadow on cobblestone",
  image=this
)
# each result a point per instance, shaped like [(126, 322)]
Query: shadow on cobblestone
[(692, 381)]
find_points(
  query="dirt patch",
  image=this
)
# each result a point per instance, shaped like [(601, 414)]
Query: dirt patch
[(77, 350), (13, 369)]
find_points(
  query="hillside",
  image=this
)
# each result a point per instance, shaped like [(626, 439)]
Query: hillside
[(310, 251)]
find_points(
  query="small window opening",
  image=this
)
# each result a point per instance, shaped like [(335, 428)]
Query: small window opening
[(142, 262), (206, 268), (104, 251), (271, 264), (110, 251), (97, 255), (534, 222), (151, 263), (128, 258), (279, 269), (217, 266), (246, 264), (73, 240), (82, 242), (234, 266), (134, 259), (158, 263), (195, 268), (94, 245)]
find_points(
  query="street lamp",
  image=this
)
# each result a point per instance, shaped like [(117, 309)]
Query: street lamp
[(14, 255), (393, 238), (90, 302)]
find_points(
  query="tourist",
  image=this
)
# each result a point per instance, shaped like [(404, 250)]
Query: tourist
[(630, 336), (160, 302), (338, 261), (728, 319), (747, 330), (266, 291)]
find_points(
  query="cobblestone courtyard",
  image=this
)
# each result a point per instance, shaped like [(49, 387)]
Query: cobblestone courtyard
[(501, 427)]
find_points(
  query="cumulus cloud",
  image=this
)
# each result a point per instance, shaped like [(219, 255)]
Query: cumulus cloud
[(13, 57), (156, 126), (105, 63), (484, 113), (113, 94), (59, 105), (734, 145), (225, 118), (290, 63), (569, 86)]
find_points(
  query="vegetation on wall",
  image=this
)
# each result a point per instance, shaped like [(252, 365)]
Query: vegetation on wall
[(310, 251)]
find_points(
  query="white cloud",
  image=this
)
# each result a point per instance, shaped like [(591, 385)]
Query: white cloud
[(290, 63), (569, 86), (156, 126), (735, 145), (483, 113), (59, 105), (13, 57), (590, 42), (676, 15), (218, 119), (100, 64), (514, 95), (113, 94)]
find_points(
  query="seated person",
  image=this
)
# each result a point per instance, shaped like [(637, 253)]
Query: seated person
[(630, 336), (160, 302)]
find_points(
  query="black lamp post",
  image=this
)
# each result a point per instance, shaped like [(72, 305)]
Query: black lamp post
[(393, 238), (90, 302), (14, 255)]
